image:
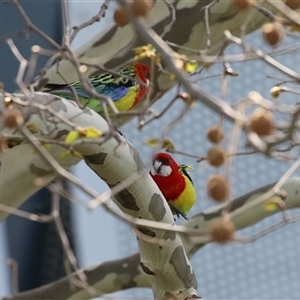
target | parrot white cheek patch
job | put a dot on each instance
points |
(165, 171)
(161, 170)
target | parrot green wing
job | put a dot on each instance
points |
(183, 170)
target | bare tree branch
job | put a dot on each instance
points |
(128, 271)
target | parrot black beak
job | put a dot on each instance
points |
(158, 166)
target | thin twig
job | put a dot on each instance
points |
(66, 22)
(22, 67)
(155, 116)
(96, 18)
(270, 193)
(54, 164)
(272, 62)
(31, 26)
(66, 244)
(286, 11)
(173, 17)
(269, 230)
(206, 9)
(211, 102)
(41, 218)
(267, 13)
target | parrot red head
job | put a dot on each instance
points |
(163, 165)
(142, 71)
(143, 74)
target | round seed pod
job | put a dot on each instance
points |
(243, 4)
(11, 118)
(215, 134)
(121, 17)
(222, 231)
(261, 122)
(273, 33)
(218, 188)
(216, 156)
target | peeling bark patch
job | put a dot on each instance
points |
(129, 284)
(121, 278)
(125, 198)
(157, 208)
(125, 276)
(147, 270)
(146, 231)
(58, 105)
(183, 25)
(210, 216)
(239, 202)
(178, 261)
(61, 133)
(39, 171)
(96, 159)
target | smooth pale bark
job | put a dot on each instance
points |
(112, 48)
(114, 45)
(116, 162)
(126, 273)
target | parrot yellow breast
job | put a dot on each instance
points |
(126, 102)
(187, 198)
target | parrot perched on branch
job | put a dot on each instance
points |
(174, 182)
(124, 92)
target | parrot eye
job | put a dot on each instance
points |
(166, 161)
(148, 75)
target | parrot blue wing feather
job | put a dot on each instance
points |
(106, 84)
(112, 90)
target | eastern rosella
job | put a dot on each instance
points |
(174, 182)
(124, 91)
